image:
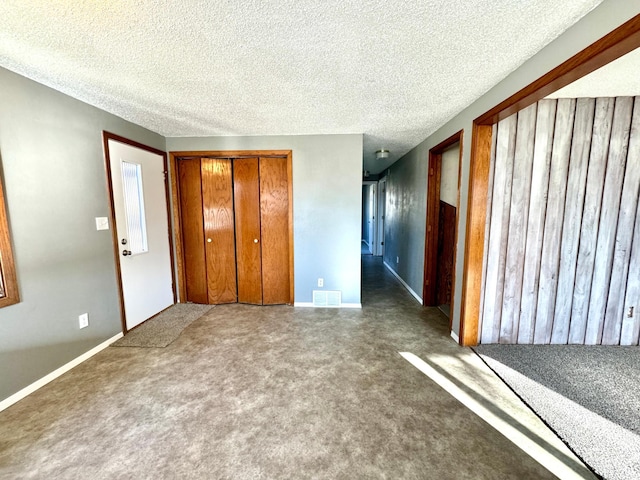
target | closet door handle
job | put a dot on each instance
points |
(209, 240)
(255, 240)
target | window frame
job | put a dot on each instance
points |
(7, 265)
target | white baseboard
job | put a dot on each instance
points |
(455, 336)
(342, 305)
(7, 402)
(395, 274)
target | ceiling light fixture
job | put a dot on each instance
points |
(382, 153)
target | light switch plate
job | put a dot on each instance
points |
(102, 223)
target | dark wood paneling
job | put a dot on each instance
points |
(446, 250)
(246, 186)
(190, 193)
(274, 210)
(217, 200)
(429, 293)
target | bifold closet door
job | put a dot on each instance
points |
(206, 208)
(190, 190)
(217, 201)
(274, 228)
(246, 186)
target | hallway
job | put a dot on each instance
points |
(275, 392)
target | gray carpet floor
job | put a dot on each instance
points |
(267, 392)
(590, 395)
(164, 328)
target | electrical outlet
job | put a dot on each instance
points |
(321, 282)
(83, 320)
(397, 259)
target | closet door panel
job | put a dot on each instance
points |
(246, 186)
(190, 190)
(217, 201)
(274, 211)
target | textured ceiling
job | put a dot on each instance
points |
(393, 70)
(620, 78)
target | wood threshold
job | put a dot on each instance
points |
(612, 46)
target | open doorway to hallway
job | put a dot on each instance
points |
(373, 213)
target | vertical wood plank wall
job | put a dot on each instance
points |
(563, 238)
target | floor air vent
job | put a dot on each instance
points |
(327, 298)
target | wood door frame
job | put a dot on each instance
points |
(106, 136)
(433, 216)
(612, 46)
(174, 157)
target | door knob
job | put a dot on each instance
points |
(255, 240)
(209, 240)
(126, 253)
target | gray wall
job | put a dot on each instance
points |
(54, 176)
(406, 229)
(327, 205)
(405, 221)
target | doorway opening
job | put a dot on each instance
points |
(443, 197)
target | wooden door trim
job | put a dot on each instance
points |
(174, 157)
(612, 46)
(431, 234)
(106, 136)
(232, 153)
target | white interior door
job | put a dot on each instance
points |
(139, 197)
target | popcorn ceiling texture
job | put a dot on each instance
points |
(393, 70)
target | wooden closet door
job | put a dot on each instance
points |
(246, 185)
(217, 201)
(274, 214)
(190, 191)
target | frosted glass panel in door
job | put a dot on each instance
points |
(134, 207)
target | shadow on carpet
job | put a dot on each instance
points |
(589, 395)
(164, 328)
